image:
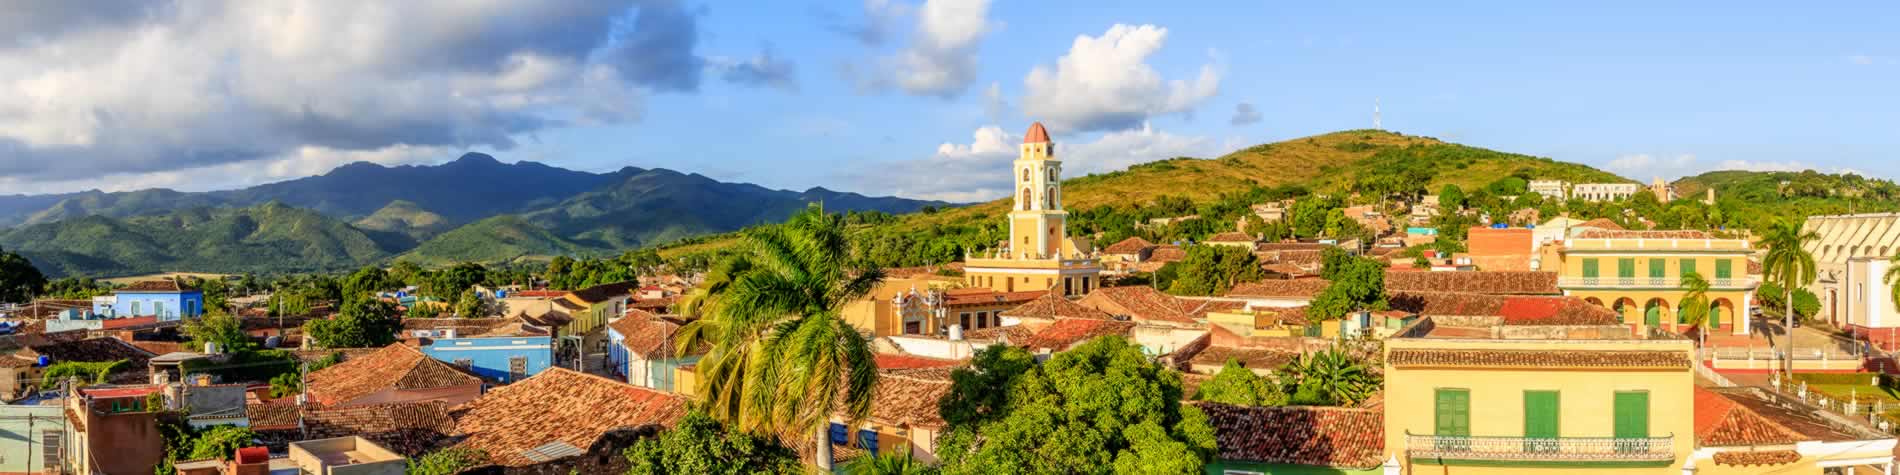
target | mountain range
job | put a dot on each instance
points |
(474, 208)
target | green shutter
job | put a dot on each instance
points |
(1540, 420)
(1626, 268)
(1632, 414)
(1454, 412)
(1590, 268)
(1688, 266)
(1656, 268)
(1724, 268)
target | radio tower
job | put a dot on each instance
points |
(1375, 115)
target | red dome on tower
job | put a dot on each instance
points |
(1036, 134)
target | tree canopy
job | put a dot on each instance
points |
(1358, 283)
(1102, 407)
(361, 323)
(1211, 270)
(1237, 385)
(19, 280)
(700, 444)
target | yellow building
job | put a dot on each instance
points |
(929, 305)
(1573, 392)
(1040, 255)
(1639, 275)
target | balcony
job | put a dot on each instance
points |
(1457, 450)
(1649, 283)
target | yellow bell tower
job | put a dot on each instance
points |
(1039, 256)
(1036, 222)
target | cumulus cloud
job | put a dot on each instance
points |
(940, 59)
(1646, 163)
(1244, 114)
(159, 87)
(979, 170)
(881, 18)
(1105, 83)
(761, 70)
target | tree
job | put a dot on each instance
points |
(221, 442)
(888, 463)
(1451, 198)
(1359, 284)
(1892, 278)
(220, 328)
(1099, 408)
(1789, 265)
(978, 396)
(700, 444)
(1210, 270)
(286, 384)
(1695, 300)
(88, 372)
(362, 323)
(783, 359)
(1237, 385)
(366, 282)
(1329, 378)
(19, 280)
(449, 461)
(470, 305)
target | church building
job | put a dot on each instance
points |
(1040, 255)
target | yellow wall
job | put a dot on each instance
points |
(1609, 286)
(876, 314)
(1497, 399)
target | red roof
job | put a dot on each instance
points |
(1302, 435)
(1036, 134)
(1069, 331)
(1720, 421)
(251, 455)
(896, 361)
(115, 323)
(538, 293)
(119, 392)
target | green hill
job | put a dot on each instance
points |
(503, 238)
(405, 218)
(1761, 197)
(264, 238)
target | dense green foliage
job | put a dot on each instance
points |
(1212, 270)
(1754, 200)
(1102, 407)
(360, 324)
(1237, 385)
(76, 288)
(1358, 283)
(450, 461)
(88, 372)
(889, 462)
(250, 366)
(182, 442)
(220, 328)
(1329, 378)
(700, 444)
(264, 238)
(19, 280)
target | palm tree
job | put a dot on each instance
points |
(887, 463)
(1789, 265)
(783, 359)
(1694, 309)
(1893, 278)
(1329, 377)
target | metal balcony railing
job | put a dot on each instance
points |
(1648, 283)
(1542, 449)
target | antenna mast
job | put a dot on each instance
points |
(1375, 114)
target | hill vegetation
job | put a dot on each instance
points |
(265, 238)
(1755, 199)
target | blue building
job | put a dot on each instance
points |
(166, 299)
(640, 346)
(498, 349)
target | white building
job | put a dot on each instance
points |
(1604, 191)
(1551, 189)
(1849, 259)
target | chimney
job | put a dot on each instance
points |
(251, 461)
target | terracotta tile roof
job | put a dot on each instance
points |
(987, 297)
(1207, 306)
(272, 416)
(1291, 246)
(1280, 288)
(558, 405)
(1766, 457)
(1515, 310)
(1231, 236)
(1302, 435)
(1141, 303)
(1601, 223)
(1675, 234)
(128, 322)
(408, 428)
(603, 292)
(158, 347)
(1036, 134)
(1800, 420)
(1538, 359)
(1719, 422)
(1508, 283)
(1012, 333)
(1130, 246)
(1064, 333)
(908, 401)
(897, 361)
(88, 350)
(1053, 305)
(649, 335)
(165, 285)
(1167, 253)
(396, 366)
(1251, 358)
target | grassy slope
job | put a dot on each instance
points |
(1321, 162)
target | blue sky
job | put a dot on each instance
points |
(895, 97)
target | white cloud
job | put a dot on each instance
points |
(979, 170)
(159, 87)
(301, 162)
(941, 57)
(1105, 83)
(1643, 163)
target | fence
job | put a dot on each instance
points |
(1805, 359)
(1874, 410)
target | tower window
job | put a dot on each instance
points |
(1025, 201)
(1050, 198)
(1052, 174)
(1025, 174)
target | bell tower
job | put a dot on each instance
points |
(1036, 222)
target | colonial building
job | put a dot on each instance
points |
(1849, 259)
(1040, 255)
(166, 299)
(1604, 191)
(1639, 274)
(1551, 189)
(1574, 392)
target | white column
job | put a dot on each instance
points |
(1747, 312)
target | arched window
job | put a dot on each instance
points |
(1052, 174)
(1025, 174)
(1025, 200)
(1050, 198)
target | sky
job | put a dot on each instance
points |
(921, 99)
